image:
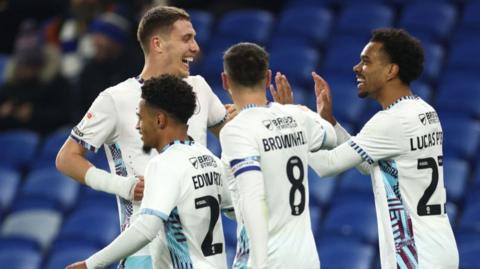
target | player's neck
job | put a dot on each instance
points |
(152, 69)
(243, 97)
(173, 134)
(392, 93)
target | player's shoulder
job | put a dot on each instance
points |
(124, 86)
(197, 82)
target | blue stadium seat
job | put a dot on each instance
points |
(202, 22)
(103, 219)
(212, 67)
(470, 218)
(459, 95)
(346, 255)
(432, 21)
(455, 174)
(354, 181)
(38, 225)
(469, 255)
(309, 26)
(49, 184)
(18, 148)
(434, 57)
(452, 213)
(9, 182)
(360, 19)
(230, 231)
(455, 132)
(213, 144)
(60, 258)
(321, 189)
(252, 25)
(315, 218)
(306, 3)
(341, 55)
(90, 198)
(460, 56)
(354, 218)
(470, 21)
(422, 90)
(50, 147)
(14, 242)
(298, 71)
(20, 259)
(347, 105)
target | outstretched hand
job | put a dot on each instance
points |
(283, 93)
(323, 98)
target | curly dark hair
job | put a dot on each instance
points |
(246, 63)
(171, 94)
(158, 19)
(403, 50)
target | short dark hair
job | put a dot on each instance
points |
(171, 94)
(246, 63)
(159, 18)
(403, 50)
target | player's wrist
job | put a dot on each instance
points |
(101, 180)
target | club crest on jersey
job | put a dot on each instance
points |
(423, 118)
(194, 162)
(268, 124)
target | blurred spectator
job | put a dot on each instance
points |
(70, 34)
(34, 96)
(115, 57)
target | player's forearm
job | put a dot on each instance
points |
(255, 215)
(71, 161)
(130, 241)
(342, 137)
(332, 162)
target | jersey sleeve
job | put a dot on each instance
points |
(217, 114)
(380, 138)
(240, 151)
(98, 124)
(162, 188)
(320, 132)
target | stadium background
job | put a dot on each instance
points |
(48, 220)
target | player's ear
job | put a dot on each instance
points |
(156, 44)
(225, 82)
(161, 120)
(393, 71)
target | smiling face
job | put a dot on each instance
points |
(180, 48)
(372, 72)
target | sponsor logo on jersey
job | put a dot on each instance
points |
(428, 117)
(203, 161)
(194, 162)
(280, 123)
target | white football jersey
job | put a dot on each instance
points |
(184, 187)
(404, 145)
(111, 121)
(276, 140)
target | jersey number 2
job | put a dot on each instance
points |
(208, 248)
(422, 208)
(297, 185)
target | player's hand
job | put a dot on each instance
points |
(324, 98)
(138, 189)
(283, 93)
(231, 111)
(77, 265)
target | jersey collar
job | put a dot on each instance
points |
(188, 142)
(406, 97)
